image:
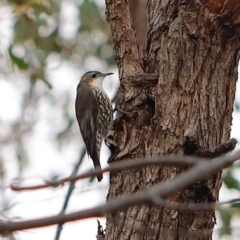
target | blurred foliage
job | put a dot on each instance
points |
(230, 181)
(43, 37)
(227, 214)
(39, 32)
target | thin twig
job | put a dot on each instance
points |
(163, 189)
(69, 192)
(191, 206)
(170, 160)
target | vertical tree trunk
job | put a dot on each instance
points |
(185, 82)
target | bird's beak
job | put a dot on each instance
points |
(106, 74)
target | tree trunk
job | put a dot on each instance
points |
(183, 81)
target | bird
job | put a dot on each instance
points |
(94, 114)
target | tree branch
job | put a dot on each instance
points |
(70, 190)
(191, 206)
(162, 190)
(191, 147)
(171, 160)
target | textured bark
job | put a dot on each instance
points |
(193, 48)
(125, 43)
(138, 13)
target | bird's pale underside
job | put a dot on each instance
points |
(94, 114)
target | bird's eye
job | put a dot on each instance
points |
(94, 75)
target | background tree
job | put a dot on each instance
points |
(193, 49)
(45, 46)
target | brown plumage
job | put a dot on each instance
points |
(94, 114)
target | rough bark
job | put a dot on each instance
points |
(193, 50)
(138, 14)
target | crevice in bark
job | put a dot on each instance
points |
(125, 43)
(138, 14)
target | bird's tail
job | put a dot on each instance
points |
(97, 165)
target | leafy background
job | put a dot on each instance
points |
(45, 46)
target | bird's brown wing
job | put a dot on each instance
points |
(86, 113)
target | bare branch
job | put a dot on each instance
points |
(70, 190)
(121, 203)
(171, 160)
(191, 206)
(191, 147)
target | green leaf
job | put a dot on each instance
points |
(25, 28)
(21, 64)
(231, 181)
(91, 179)
(39, 8)
(226, 216)
(236, 205)
(237, 106)
(90, 17)
(237, 164)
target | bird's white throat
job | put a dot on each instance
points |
(98, 82)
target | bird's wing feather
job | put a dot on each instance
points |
(86, 112)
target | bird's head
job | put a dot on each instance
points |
(94, 78)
